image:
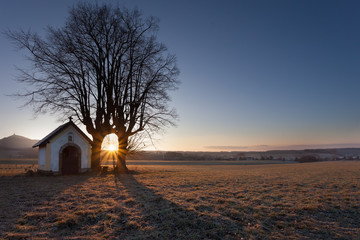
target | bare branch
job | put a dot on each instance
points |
(106, 67)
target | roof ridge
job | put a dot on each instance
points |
(58, 130)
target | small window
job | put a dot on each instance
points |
(70, 138)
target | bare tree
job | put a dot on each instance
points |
(106, 68)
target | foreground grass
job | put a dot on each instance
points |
(292, 201)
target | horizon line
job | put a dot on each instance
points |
(252, 148)
(293, 147)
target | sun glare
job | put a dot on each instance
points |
(111, 147)
(110, 143)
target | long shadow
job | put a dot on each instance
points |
(21, 195)
(65, 207)
(159, 218)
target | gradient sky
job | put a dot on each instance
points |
(255, 74)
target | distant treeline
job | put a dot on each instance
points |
(190, 156)
(159, 155)
(308, 155)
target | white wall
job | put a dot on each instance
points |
(42, 155)
(61, 141)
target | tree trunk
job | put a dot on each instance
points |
(121, 155)
(121, 162)
(95, 155)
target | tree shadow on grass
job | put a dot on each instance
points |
(96, 207)
(154, 217)
(27, 202)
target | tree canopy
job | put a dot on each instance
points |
(106, 68)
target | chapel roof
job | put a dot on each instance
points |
(58, 130)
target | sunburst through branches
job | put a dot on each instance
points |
(109, 149)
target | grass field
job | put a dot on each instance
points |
(273, 201)
(9, 167)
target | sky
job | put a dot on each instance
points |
(255, 75)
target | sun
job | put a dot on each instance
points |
(110, 143)
(111, 147)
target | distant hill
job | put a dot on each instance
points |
(16, 141)
(16, 146)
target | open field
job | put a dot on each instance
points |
(17, 166)
(14, 169)
(20, 161)
(280, 201)
(9, 167)
(202, 162)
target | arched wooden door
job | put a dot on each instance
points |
(70, 162)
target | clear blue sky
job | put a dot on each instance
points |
(255, 74)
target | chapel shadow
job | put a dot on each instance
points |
(163, 219)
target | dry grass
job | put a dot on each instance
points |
(291, 201)
(13, 169)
